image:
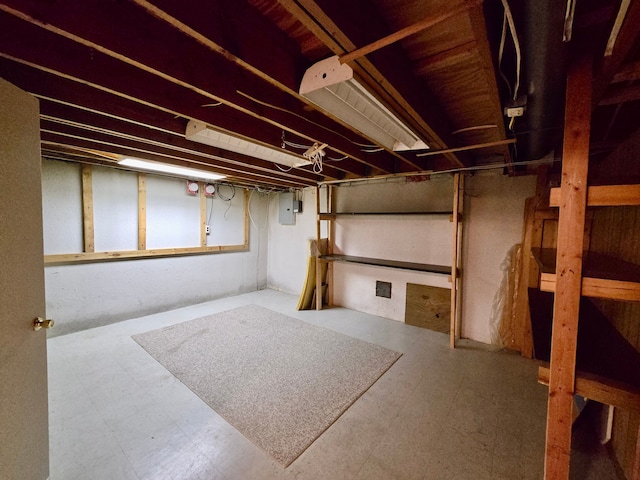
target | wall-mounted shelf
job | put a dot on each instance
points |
(454, 216)
(603, 276)
(376, 262)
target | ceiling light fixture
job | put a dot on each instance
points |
(200, 132)
(169, 169)
(331, 85)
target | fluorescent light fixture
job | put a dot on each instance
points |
(332, 86)
(169, 169)
(200, 132)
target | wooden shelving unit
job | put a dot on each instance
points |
(453, 270)
(572, 275)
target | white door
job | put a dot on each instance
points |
(24, 432)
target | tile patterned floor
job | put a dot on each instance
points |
(437, 414)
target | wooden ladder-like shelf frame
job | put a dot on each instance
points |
(565, 277)
(453, 270)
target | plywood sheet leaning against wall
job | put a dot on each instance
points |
(428, 307)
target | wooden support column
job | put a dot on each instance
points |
(142, 211)
(87, 208)
(454, 332)
(203, 215)
(573, 201)
(331, 238)
(318, 265)
(247, 218)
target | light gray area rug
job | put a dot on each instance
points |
(280, 381)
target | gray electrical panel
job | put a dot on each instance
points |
(286, 215)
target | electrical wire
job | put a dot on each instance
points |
(508, 18)
(226, 199)
(503, 37)
(477, 127)
(210, 211)
(283, 169)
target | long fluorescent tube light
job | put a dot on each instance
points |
(332, 86)
(170, 169)
(200, 132)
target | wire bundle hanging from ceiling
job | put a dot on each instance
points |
(507, 21)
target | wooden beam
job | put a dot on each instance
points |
(142, 211)
(87, 209)
(476, 146)
(447, 58)
(247, 227)
(610, 65)
(92, 257)
(118, 47)
(331, 240)
(455, 249)
(385, 72)
(139, 148)
(598, 287)
(318, 253)
(575, 161)
(604, 196)
(167, 133)
(476, 17)
(407, 31)
(203, 215)
(601, 390)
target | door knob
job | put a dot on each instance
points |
(39, 323)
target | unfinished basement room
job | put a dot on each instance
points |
(320, 240)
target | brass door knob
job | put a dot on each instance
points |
(39, 323)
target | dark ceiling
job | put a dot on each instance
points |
(122, 78)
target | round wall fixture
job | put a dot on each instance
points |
(192, 187)
(209, 189)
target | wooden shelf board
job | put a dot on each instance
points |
(601, 389)
(598, 288)
(604, 196)
(603, 276)
(419, 267)
(332, 216)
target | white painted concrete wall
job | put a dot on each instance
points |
(422, 239)
(82, 296)
(289, 244)
(494, 211)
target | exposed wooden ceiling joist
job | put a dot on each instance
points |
(191, 66)
(385, 71)
(226, 162)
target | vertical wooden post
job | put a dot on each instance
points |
(203, 215)
(318, 266)
(573, 201)
(87, 208)
(331, 238)
(247, 196)
(142, 211)
(454, 262)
